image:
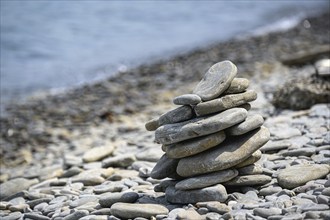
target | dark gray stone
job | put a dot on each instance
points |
(206, 180)
(187, 99)
(212, 193)
(108, 199)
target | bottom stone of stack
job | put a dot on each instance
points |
(213, 193)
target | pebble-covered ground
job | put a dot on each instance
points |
(85, 154)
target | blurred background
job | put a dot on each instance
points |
(54, 45)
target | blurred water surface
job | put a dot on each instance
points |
(50, 45)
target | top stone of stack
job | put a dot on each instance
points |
(217, 79)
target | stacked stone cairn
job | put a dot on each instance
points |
(210, 142)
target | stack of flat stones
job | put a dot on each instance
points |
(210, 141)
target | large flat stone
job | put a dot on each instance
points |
(172, 133)
(225, 102)
(250, 123)
(15, 185)
(226, 155)
(131, 211)
(213, 193)
(193, 146)
(98, 153)
(298, 175)
(206, 180)
(249, 180)
(217, 79)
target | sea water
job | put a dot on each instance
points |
(51, 45)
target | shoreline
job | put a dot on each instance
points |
(281, 25)
(137, 89)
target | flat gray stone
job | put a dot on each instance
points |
(176, 115)
(250, 123)
(215, 206)
(212, 193)
(193, 146)
(123, 160)
(187, 99)
(252, 169)
(238, 85)
(110, 198)
(15, 185)
(165, 167)
(217, 79)
(249, 180)
(284, 132)
(275, 145)
(206, 180)
(304, 151)
(298, 175)
(98, 153)
(267, 212)
(250, 160)
(131, 211)
(172, 133)
(226, 155)
(225, 102)
(152, 125)
(76, 215)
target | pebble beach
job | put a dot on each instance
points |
(86, 153)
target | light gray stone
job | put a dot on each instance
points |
(165, 167)
(250, 123)
(212, 193)
(15, 185)
(249, 180)
(323, 67)
(284, 132)
(217, 79)
(187, 99)
(150, 154)
(304, 151)
(228, 154)
(123, 160)
(225, 102)
(110, 198)
(206, 180)
(193, 146)
(172, 133)
(298, 175)
(250, 160)
(238, 85)
(252, 169)
(275, 145)
(215, 206)
(131, 211)
(98, 153)
(267, 212)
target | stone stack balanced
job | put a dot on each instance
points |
(210, 141)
